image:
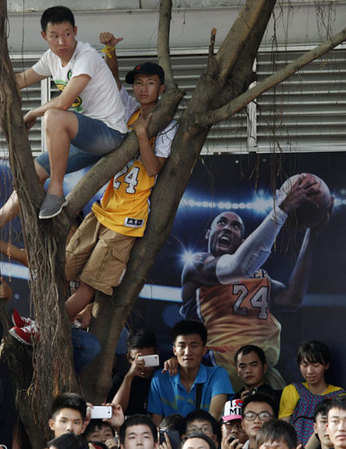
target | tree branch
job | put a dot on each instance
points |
(105, 168)
(223, 113)
(163, 41)
(237, 37)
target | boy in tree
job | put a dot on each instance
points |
(98, 251)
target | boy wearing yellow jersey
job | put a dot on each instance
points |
(99, 250)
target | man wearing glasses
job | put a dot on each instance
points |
(257, 409)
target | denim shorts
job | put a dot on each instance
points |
(93, 140)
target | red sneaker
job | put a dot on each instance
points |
(20, 321)
(25, 334)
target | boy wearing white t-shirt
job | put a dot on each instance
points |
(85, 122)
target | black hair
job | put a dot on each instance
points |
(277, 430)
(95, 424)
(258, 397)
(136, 420)
(322, 408)
(174, 422)
(203, 415)
(245, 350)
(314, 352)
(57, 14)
(141, 339)
(200, 435)
(69, 400)
(69, 441)
(189, 327)
(339, 402)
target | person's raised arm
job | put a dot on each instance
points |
(110, 42)
(151, 162)
(256, 248)
(122, 396)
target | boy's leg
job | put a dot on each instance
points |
(107, 263)
(89, 135)
(11, 208)
(78, 300)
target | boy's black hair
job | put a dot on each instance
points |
(188, 327)
(57, 14)
(245, 350)
(95, 424)
(136, 420)
(141, 339)
(69, 441)
(258, 397)
(314, 352)
(174, 422)
(200, 435)
(277, 430)
(69, 400)
(203, 415)
(322, 408)
(339, 402)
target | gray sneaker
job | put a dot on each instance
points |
(52, 206)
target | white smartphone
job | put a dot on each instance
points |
(150, 360)
(101, 412)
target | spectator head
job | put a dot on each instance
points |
(257, 409)
(202, 421)
(68, 414)
(231, 427)
(99, 431)
(148, 69)
(197, 440)
(321, 422)
(68, 441)
(173, 422)
(142, 343)
(189, 340)
(277, 434)
(251, 364)
(56, 15)
(313, 359)
(138, 428)
(337, 422)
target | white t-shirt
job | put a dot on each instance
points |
(164, 138)
(100, 98)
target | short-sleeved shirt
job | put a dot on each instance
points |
(100, 99)
(290, 398)
(168, 396)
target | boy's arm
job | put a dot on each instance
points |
(27, 78)
(64, 101)
(151, 162)
(110, 42)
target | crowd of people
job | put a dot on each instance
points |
(187, 403)
(197, 408)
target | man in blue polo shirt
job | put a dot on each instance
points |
(195, 385)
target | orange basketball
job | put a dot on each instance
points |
(313, 211)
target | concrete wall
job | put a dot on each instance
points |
(136, 20)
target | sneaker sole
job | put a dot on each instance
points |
(46, 217)
(17, 337)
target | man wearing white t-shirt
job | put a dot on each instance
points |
(93, 127)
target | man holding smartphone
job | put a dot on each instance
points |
(131, 390)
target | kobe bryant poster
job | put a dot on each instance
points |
(274, 285)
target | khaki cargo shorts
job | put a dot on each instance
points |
(97, 256)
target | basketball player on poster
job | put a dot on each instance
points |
(227, 289)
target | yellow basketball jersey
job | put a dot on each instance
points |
(124, 206)
(238, 314)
